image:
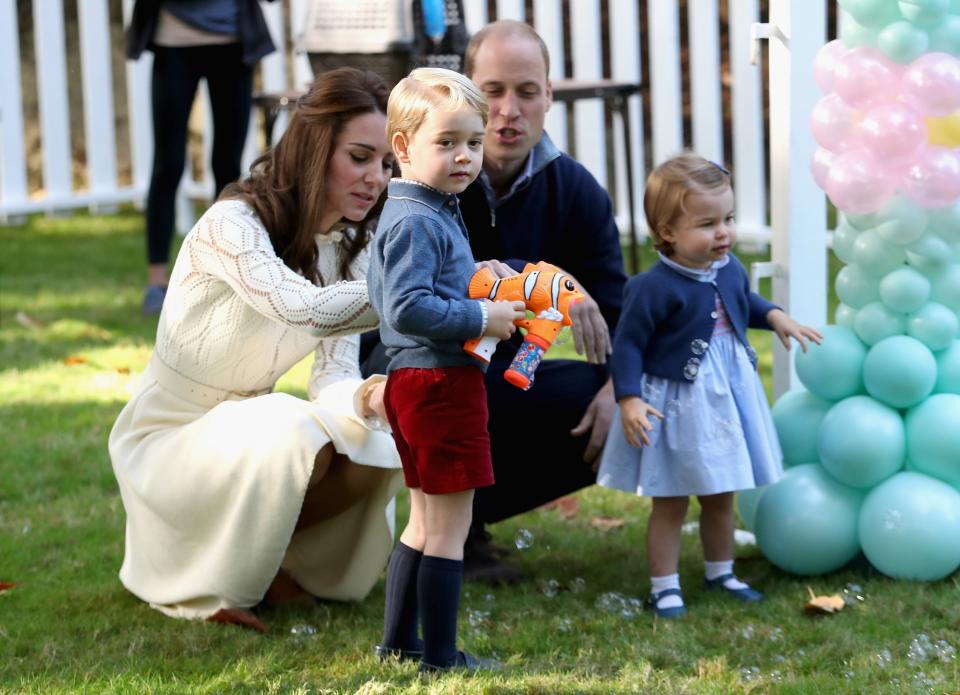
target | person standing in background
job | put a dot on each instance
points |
(221, 41)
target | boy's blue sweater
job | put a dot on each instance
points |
(668, 318)
(418, 279)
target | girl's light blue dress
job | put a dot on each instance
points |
(717, 434)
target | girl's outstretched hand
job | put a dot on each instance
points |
(785, 328)
(636, 423)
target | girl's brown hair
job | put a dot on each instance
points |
(287, 185)
(668, 187)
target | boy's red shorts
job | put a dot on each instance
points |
(439, 422)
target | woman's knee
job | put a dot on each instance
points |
(321, 464)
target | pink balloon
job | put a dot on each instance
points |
(820, 166)
(857, 184)
(893, 133)
(933, 180)
(824, 63)
(931, 84)
(864, 77)
(833, 123)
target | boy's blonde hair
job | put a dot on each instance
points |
(668, 187)
(425, 89)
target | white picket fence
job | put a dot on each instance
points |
(797, 207)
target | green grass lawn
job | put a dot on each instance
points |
(72, 344)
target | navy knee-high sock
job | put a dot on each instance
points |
(400, 612)
(438, 593)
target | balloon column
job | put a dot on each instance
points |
(872, 443)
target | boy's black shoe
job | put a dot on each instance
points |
(388, 653)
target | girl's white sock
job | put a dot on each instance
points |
(712, 570)
(670, 581)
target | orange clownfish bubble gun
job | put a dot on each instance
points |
(546, 291)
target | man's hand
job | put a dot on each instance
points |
(590, 332)
(635, 414)
(501, 270)
(597, 421)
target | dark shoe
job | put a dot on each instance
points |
(465, 662)
(744, 594)
(673, 611)
(389, 653)
(153, 300)
(484, 567)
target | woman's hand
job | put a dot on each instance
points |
(785, 328)
(373, 401)
(498, 268)
(636, 423)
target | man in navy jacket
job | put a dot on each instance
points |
(534, 203)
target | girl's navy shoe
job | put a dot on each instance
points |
(673, 611)
(745, 594)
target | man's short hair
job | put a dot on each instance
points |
(426, 89)
(500, 29)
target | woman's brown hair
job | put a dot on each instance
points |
(287, 185)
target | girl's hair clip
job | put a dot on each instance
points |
(719, 167)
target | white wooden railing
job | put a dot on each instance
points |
(786, 194)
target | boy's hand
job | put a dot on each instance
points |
(785, 327)
(501, 315)
(636, 423)
(373, 401)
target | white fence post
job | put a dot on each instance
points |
(98, 113)
(590, 135)
(548, 22)
(13, 163)
(139, 113)
(706, 108)
(53, 98)
(663, 21)
(798, 207)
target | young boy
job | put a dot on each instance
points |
(435, 399)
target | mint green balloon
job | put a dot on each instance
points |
(855, 35)
(903, 42)
(861, 222)
(872, 13)
(843, 240)
(933, 437)
(945, 287)
(845, 315)
(876, 321)
(834, 369)
(856, 286)
(904, 290)
(945, 222)
(945, 38)
(875, 255)
(747, 501)
(901, 221)
(948, 369)
(797, 416)
(909, 527)
(900, 371)
(934, 325)
(927, 265)
(862, 441)
(924, 13)
(807, 522)
(931, 246)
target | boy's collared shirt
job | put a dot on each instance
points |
(420, 271)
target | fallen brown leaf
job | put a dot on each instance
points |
(123, 370)
(820, 605)
(567, 507)
(27, 321)
(75, 359)
(607, 522)
(6, 586)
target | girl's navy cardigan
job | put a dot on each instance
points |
(668, 319)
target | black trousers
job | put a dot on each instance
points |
(535, 459)
(176, 74)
